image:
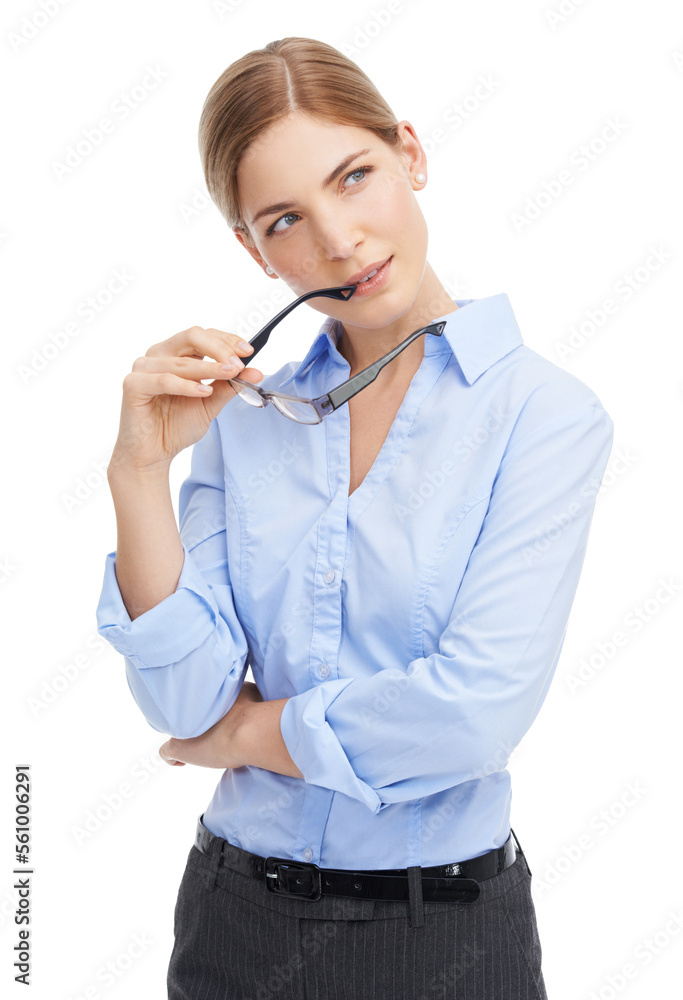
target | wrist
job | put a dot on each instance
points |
(243, 736)
(258, 739)
(121, 472)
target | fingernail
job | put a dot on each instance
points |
(233, 362)
(244, 346)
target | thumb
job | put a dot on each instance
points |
(223, 391)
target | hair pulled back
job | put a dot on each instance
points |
(264, 86)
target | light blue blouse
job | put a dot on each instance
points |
(414, 626)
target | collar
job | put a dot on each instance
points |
(479, 333)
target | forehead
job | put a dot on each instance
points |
(296, 152)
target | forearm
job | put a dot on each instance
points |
(149, 552)
(260, 741)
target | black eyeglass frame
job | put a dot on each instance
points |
(341, 394)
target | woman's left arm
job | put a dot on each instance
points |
(249, 734)
(457, 714)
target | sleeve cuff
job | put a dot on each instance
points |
(315, 749)
(153, 639)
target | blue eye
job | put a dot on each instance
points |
(292, 215)
(274, 229)
(358, 170)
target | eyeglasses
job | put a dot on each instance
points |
(312, 411)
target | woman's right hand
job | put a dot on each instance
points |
(164, 409)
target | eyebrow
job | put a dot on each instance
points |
(282, 206)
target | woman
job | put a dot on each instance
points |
(397, 568)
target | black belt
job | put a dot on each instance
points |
(457, 882)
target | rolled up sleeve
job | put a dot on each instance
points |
(457, 714)
(185, 658)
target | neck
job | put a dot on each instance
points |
(361, 347)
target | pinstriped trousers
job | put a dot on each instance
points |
(235, 940)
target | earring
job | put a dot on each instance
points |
(420, 178)
(269, 269)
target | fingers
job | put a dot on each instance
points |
(166, 753)
(181, 376)
(145, 385)
(189, 367)
(177, 366)
(199, 343)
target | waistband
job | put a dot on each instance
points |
(457, 881)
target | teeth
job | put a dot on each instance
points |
(367, 278)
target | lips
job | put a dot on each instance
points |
(366, 272)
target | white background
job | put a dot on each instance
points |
(558, 73)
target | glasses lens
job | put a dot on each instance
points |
(299, 410)
(248, 394)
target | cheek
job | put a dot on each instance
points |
(397, 207)
(297, 265)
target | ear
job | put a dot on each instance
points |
(412, 153)
(248, 245)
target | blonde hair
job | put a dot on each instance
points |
(266, 85)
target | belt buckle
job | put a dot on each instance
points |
(283, 877)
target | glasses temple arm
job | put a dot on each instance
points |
(342, 393)
(261, 338)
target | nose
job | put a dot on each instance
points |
(339, 235)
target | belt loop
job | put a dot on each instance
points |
(214, 856)
(416, 903)
(217, 860)
(519, 848)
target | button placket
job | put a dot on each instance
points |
(330, 552)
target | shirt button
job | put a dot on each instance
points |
(324, 670)
(308, 854)
(329, 576)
